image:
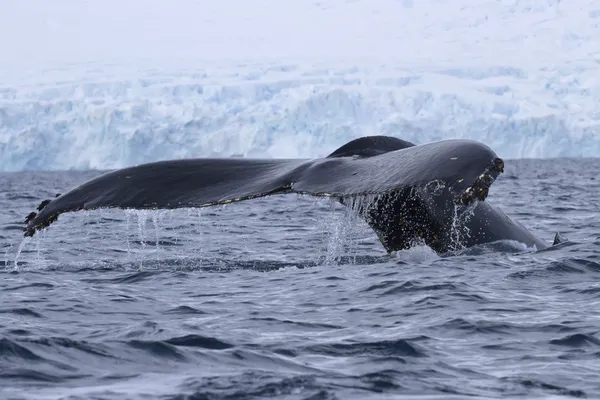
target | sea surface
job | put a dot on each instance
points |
(291, 297)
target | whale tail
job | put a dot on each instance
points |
(418, 187)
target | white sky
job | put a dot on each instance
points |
(521, 31)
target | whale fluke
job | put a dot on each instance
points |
(388, 167)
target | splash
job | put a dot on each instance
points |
(418, 253)
(6, 255)
(142, 216)
(128, 214)
(332, 227)
(19, 251)
(347, 229)
(459, 232)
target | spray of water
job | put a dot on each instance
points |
(418, 252)
(459, 231)
(127, 225)
(336, 237)
(6, 253)
(345, 229)
(19, 250)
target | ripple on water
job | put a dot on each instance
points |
(279, 298)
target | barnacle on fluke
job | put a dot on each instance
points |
(28, 218)
(399, 173)
(479, 190)
(43, 204)
(33, 214)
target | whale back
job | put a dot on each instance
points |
(370, 146)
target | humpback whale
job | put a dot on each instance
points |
(433, 193)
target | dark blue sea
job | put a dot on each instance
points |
(293, 298)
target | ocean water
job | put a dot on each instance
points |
(292, 298)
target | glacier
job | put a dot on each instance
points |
(521, 76)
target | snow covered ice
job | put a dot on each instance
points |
(111, 84)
